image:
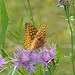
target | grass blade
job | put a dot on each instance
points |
(4, 22)
(26, 10)
(23, 46)
(16, 36)
(58, 52)
(23, 70)
(41, 70)
(48, 72)
(52, 68)
(3, 69)
(20, 24)
(12, 70)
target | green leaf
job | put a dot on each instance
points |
(58, 52)
(70, 54)
(23, 69)
(3, 69)
(16, 36)
(0, 45)
(33, 73)
(23, 46)
(20, 24)
(12, 70)
(26, 7)
(47, 72)
(38, 26)
(59, 5)
(67, 56)
(41, 70)
(26, 10)
(4, 22)
(0, 41)
(4, 53)
(74, 28)
(63, 17)
(52, 68)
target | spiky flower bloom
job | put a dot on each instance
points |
(25, 59)
(2, 61)
(64, 2)
(29, 58)
(46, 55)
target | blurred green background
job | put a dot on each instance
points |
(43, 11)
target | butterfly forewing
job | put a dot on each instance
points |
(42, 31)
(30, 32)
(27, 41)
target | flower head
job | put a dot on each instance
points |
(64, 2)
(28, 58)
(2, 61)
(46, 55)
(24, 58)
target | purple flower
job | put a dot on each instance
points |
(64, 2)
(46, 55)
(2, 61)
(28, 58)
(25, 58)
(61, 1)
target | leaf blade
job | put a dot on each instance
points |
(12, 71)
(20, 24)
(26, 10)
(58, 51)
(4, 22)
(3, 69)
(16, 36)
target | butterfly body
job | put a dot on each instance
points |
(37, 42)
(34, 38)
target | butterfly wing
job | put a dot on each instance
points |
(40, 38)
(42, 32)
(30, 32)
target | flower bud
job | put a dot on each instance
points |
(64, 2)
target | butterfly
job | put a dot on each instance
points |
(34, 38)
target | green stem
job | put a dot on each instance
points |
(49, 71)
(72, 51)
(73, 9)
(31, 13)
(71, 30)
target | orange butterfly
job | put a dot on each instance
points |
(34, 38)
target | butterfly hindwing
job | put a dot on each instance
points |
(27, 41)
(30, 32)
